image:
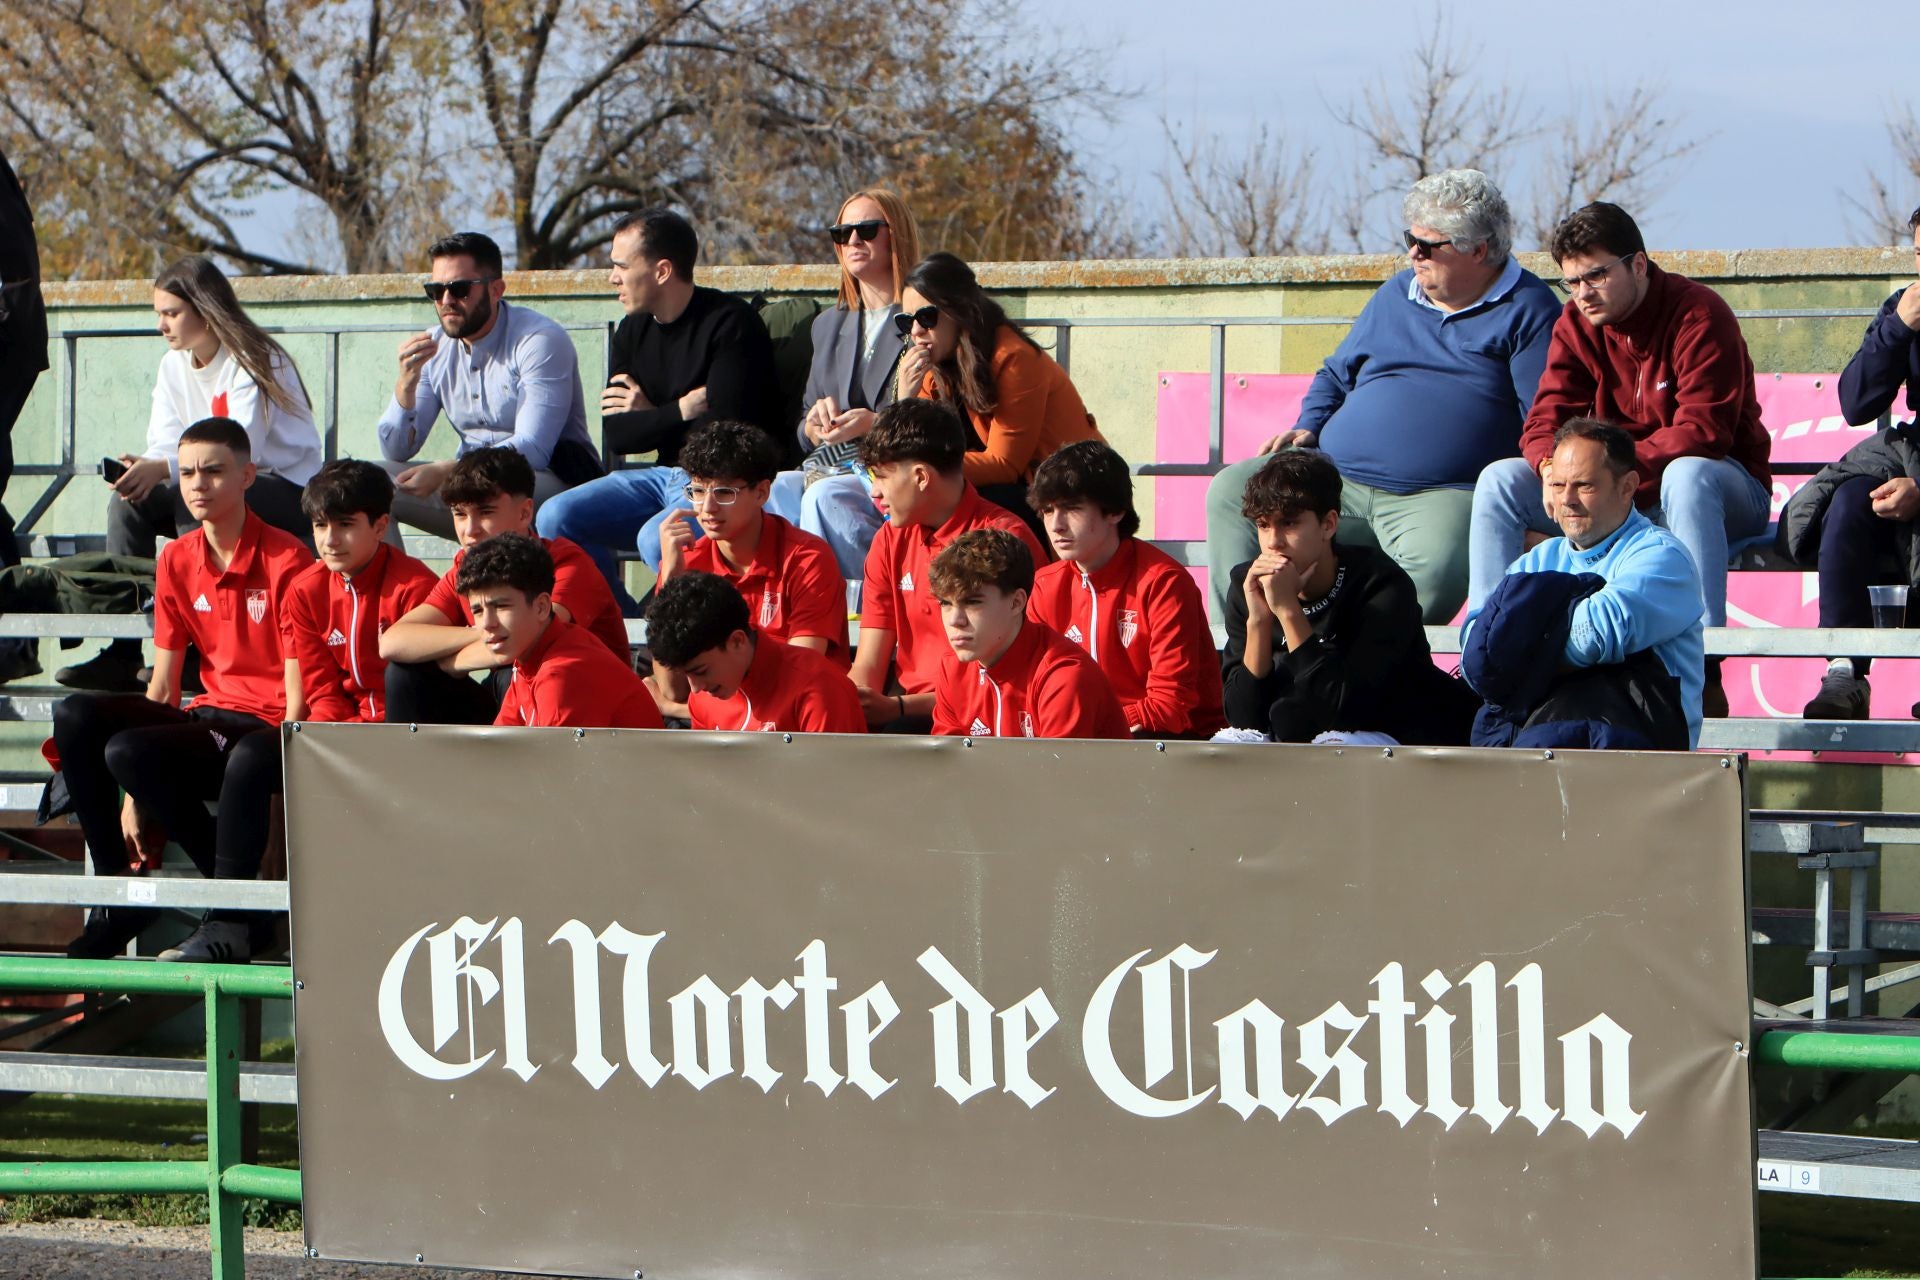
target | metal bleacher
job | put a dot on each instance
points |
(1839, 933)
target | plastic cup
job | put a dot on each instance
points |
(1889, 605)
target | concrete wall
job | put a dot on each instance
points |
(1114, 368)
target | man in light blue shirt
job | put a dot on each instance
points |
(1652, 599)
(502, 376)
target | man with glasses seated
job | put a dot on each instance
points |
(503, 375)
(684, 354)
(788, 577)
(1663, 357)
(1428, 387)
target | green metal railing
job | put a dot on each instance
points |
(221, 1177)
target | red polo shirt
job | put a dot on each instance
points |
(1043, 686)
(787, 689)
(232, 616)
(897, 598)
(578, 587)
(568, 678)
(1140, 617)
(792, 586)
(334, 624)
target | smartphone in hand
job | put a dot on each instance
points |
(111, 469)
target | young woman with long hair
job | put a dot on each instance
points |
(964, 350)
(219, 364)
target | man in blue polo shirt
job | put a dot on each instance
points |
(1429, 386)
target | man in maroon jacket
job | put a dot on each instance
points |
(1663, 357)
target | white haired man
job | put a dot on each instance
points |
(1430, 385)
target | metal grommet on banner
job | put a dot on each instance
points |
(785, 737)
(1726, 762)
(966, 742)
(313, 1253)
(1739, 1049)
(413, 728)
(1159, 746)
(1546, 755)
(296, 726)
(1386, 753)
(579, 734)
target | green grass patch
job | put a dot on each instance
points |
(70, 1127)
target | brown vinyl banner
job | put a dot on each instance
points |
(677, 1005)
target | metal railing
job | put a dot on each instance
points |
(221, 1177)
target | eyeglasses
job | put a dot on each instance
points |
(1593, 278)
(926, 317)
(1424, 248)
(724, 495)
(868, 231)
(438, 289)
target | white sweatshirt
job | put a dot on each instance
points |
(287, 444)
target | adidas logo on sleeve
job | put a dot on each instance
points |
(201, 605)
(980, 729)
(906, 580)
(337, 637)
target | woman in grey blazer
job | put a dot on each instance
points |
(856, 351)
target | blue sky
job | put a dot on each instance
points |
(1790, 101)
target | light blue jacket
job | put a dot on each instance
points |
(1652, 601)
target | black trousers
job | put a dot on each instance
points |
(1853, 541)
(172, 762)
(14, 390)
(421, 693)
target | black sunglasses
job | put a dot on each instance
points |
(1425, 248)
(926, 317)
(845, 231)
(438, 289)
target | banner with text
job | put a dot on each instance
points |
(684, 1005)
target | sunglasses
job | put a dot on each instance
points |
(438, 289)
(1425, 248)
(926, 317)
(868, 231)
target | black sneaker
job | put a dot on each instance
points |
(109, 671)
(19, 658)
(1843, 696)
(108, 931)
(214, 942)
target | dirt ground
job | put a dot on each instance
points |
(89, 1249)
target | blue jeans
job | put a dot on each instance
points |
(1706, 503)
(840, 509)
(620, 510)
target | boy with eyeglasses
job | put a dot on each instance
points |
(1663, 357)
(684, 354)
(503, 375)
(433, 651)
(913, 459)
(787, 576)
(562, 675)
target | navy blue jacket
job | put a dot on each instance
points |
(1513, 659)
(1888, 359)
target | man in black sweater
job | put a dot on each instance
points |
(23, 354)
(1324, 638)
(683, 356)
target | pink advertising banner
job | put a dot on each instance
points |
(1801, 412)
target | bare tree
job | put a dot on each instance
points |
(156, 125)
(1436, 115)
(1878, 214)
(1261, 203)
(1620, 150)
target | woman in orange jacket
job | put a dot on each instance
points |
(964, 350)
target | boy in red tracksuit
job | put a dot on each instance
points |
(432, 650)
(1006, 677)
(788, 577)
(562, 674)
(743, 680)
(337, 609)
(1131, 606)
(219, 588)
(913, 459)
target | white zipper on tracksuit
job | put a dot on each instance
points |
(1093, 618)
(999, 703)
(353, 636)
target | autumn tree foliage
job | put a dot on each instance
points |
(146, 129)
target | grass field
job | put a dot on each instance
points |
(1799, 1235)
